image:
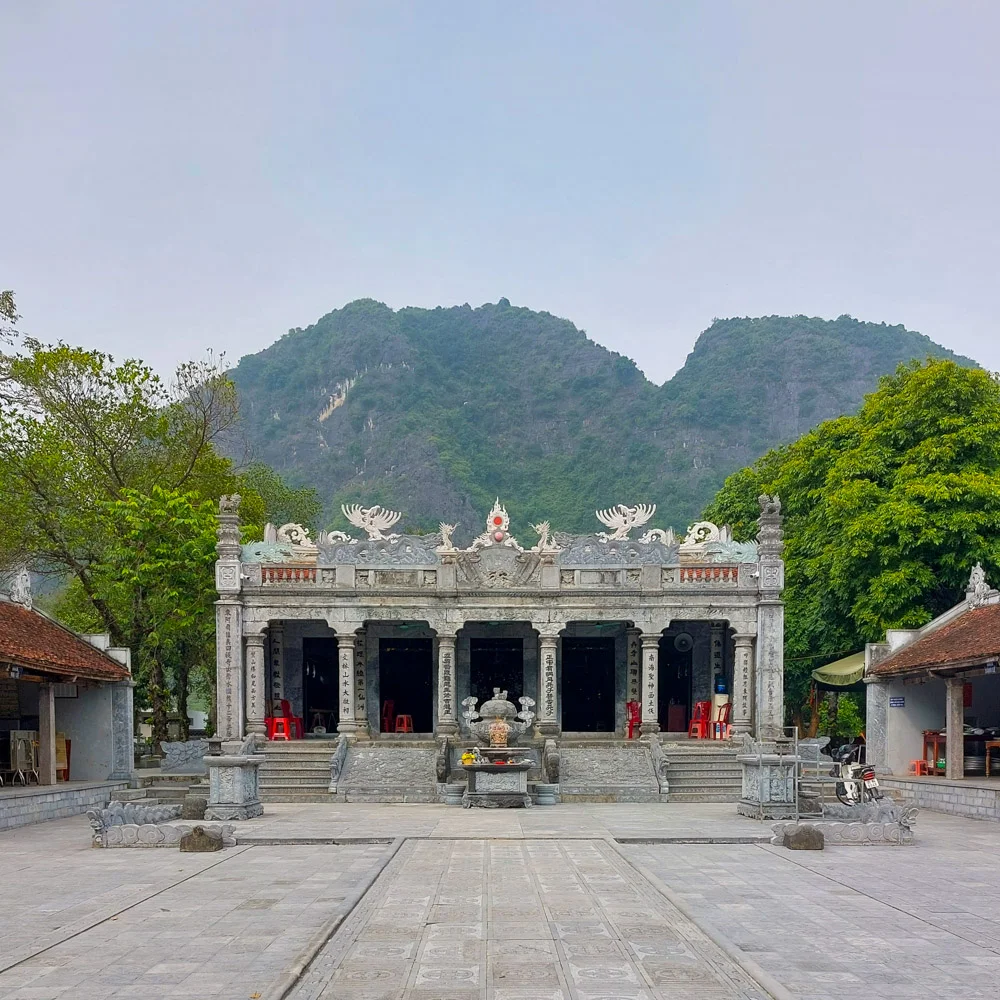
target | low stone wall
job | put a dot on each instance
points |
(159, 834)
(959, 798)
(34, 804)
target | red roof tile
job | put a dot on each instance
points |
(31, 640)
(974, 636)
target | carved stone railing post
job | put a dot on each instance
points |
(255, 685)
(447, 722)
(743, 685)
(650, 683)
(547, 722)
(345, 648)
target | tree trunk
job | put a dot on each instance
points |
(182, 674)
(159, 699)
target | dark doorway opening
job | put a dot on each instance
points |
(496, 663)
(588, 685)
(674, 695)
(320, 675)
(405, 677)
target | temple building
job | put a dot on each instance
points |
(385, 632)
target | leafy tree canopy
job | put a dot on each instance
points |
(886, 511)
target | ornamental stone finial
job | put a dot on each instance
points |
(20, 587)
(228, 531)
(769, 538)
(979, 592)
(229, 504)
(622, 519)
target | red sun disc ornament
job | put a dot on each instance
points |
(498, 521)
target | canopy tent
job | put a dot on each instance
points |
(842, 673)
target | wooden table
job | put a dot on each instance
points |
(934, 739)
(990, 745)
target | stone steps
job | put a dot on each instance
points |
(701, 771)
(296, 771)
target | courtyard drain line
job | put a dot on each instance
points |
(62, 935)
(881, 902)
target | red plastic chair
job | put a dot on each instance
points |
(295, 721)
(388, 715)
(701, 720)
(720, 727)
(632, 717)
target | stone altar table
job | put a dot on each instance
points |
(233, 784)
(493, 785)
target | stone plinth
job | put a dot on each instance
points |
(497, 786)
(233, 787)
(768, 785)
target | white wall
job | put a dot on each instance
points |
(86, 720)
(924, 709)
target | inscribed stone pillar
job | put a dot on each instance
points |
(348, 719)
(633, 661)
(954, 750)
(255, 681)
(46, 734)
(229, 670)
(276, 659)
(650, 683)
(122, 743)
(447, 722)
(547, 720)
(877, 725)
(717, 655)
(361, 682)
(769, 710)
(743, 685)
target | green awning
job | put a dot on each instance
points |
(842, 673)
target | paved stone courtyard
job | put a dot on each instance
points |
(575, 901)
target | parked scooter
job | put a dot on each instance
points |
(857, 781)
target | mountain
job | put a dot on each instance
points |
(436, 412)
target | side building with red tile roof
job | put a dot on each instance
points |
(933, 693)
(65, 702)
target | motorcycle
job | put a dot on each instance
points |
(857, 781)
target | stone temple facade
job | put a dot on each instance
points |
(354, 632)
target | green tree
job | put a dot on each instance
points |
(8, 316)
(885, 511)
(265, 496)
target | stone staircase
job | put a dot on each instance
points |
(702, 771)
(296, 771)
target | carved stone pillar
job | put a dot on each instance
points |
(229, 670)
(633, 664)
(348, 719)
(46, 734)
(361, 683)
(769, 717)
(276, 659)
(743, 685)
(547, 721)
(954, 750)
(650, 683)
(447, 722)
(877, 726)
(122, 723)
(255, 685)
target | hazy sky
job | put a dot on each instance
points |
(183, 175)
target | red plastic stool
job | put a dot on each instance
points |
(404, 724)
(919, 767)
(279, 728)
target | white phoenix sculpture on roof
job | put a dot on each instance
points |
(622, 519)
(372, 520)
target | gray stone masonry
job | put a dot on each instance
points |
(23, 806)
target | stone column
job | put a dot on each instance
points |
(122, 743)
(877, 725)
(447, 722)
(276, 659)
(743, 685)
(229, 670)
(633, 661)
(361, 683)
(255, 685)
(547, 721)
(717, 655)
(955, 729)
(769, 710)
(650, 683)
(46, 734)
(348, 720)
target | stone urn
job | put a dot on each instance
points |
(497, 723)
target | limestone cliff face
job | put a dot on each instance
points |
(437, 411)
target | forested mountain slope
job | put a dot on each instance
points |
(437, 411)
